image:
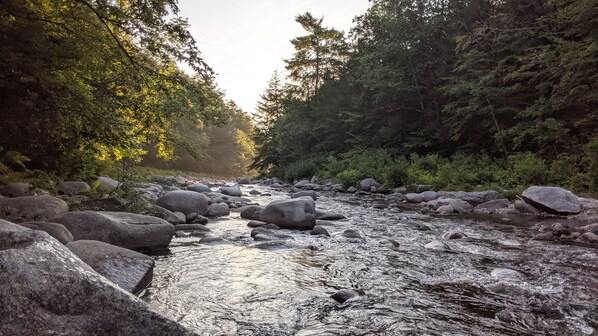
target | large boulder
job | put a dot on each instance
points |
(252, 212)
(130, 270)
(368, 183)
(184, 201)
(218, 209)
(414, 198)
(58, 231)
(233, 190)
(31, 208)
(295, 213)
(47, 290)
(553, 200)
(199, 187)
(16, 189)
(128, 230)
(73, 187)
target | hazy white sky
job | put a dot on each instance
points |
(244, 41)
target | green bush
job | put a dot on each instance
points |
(525, 169)
(349, 177)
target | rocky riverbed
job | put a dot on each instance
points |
(265, 258)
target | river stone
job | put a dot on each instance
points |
(276, 186)
(255, 192)
(324, 215)
(589, 228)
(106, 184)
(31, 208)
(168, 180)
(16, 189)
(218, 209)
(344, 295)
(318, 230)
(58, 231)
(73, 187)
(165, 214)
(396, 197)
(295, 213)
(128, 230)
(446, 209)
(437, 245)
(305, 193)
(352, 234)
(47, 290)
(130, 270)
(414, 198)
(553, 200)
(493, 205)
(184, 201)
(453, 234)
(429, 195)
(199, 187)
(181, 218)
(191, 227)
(199, 219)
(256, 223)
(368, 183)
(301, 184)
(233, 190)
(252, 212)
(474, 197)
(525, 208)
(211, 240)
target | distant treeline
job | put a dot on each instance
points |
(422, 86)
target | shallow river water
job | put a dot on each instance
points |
(238, 289)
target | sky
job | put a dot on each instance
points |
(245, 41)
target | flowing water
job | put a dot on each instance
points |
(239, 289)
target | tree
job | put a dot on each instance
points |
(318, 56)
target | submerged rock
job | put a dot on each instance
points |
(344, 295)
(46, 290)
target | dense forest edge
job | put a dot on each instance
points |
(456, 94)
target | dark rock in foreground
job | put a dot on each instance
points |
(130, 270)
(46, 290)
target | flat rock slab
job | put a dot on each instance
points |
(130, 270)
(31, 208)
(47, 290)
(553, 200)
(128, 230)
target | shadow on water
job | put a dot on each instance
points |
(237, 289)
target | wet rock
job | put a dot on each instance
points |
(338, 188)
(73, 187)
(344, 295)
(106, 184)
(429, 195)
(233, 190)
(352, 234)
(296, 213)
(130, 270)
(128, 230)
(461, 206)
(493, 205)
(184, 201)
(318, 230)
(244, 180)
(553, 200)
(446, 209)
(46, 290)
(57, 231)
(506, 274)
(254, 192)
(396, 197)
(437, 245)
(351, 190)
(324, 215)
(165, 214)
(422, 227)
(322, 222)
(589, 228)
(368, 183)
(271, 237)
(256, 223)
(191, 227)
(261, 230)
(395, 243)
(301, 184)
(589, 237)
(16, 189)
(31, 208)
(544, 236)
(414, 198)
(199, 187)
(218, 209)
(252, 212)
(181, 218)
(199, 219)
(525, 208)
(272, 226)
(275, 244)
(214, 241)
(453, 235)
(304, 193)
(276, 186)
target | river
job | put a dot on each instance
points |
(239, 289)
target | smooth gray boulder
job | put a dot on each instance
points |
(304, 193)
(130, 270)
(320, 231)
(429, 195)
(199, 187)
(16, 189)
(300, 184)
(73, 187)
(368, 183)
(47, 290)
(414, 198)
(295, 213)
(252, 212)
(165, 214)
(128, 230)
(106, 184)
(184, 201)
(553, 200)
(58, 231)
(233, 190)
(31, 208)
(218, 209)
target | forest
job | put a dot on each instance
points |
(458, 94)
